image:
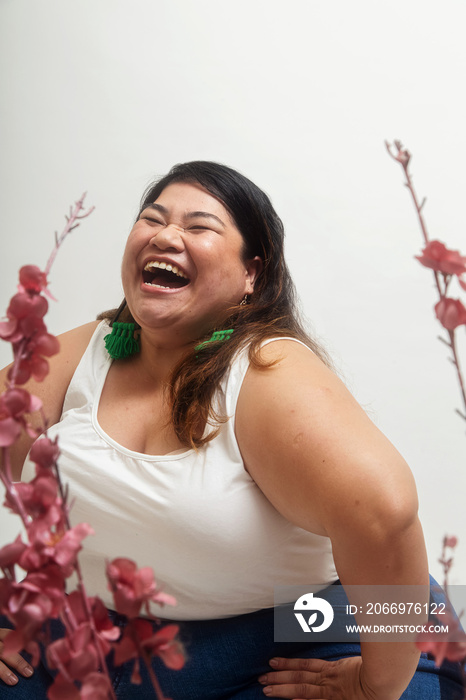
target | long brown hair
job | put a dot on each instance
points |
(272, 309)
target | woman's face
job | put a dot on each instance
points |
(183, 264)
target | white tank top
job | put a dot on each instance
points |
(197, 518)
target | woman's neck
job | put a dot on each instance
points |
(156, 359)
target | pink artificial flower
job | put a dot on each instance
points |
(47, 529)
(450, 541)
(27, 611)
(26, 330)
(8, 330)
(74, 655)
(28, 605)
(403, 156)
(106, 630)
(95, 686)
(44, 452)
(49, 546)
(6, 588)
(32, 279)
(25, 314)
(65, 550)
(33, 363)
(438, 257)
(451, 313)
(139, 635)
(50, 540)
(10, 429)
(30, 335)
(40, 494)
(35, 366)
(49, 581)
(63, 688)
(132, 588)
(39, 497)
(449, 645)
(10, 554)
(14, 404)
(24, 305)
(20, 401)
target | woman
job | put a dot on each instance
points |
(232, 465)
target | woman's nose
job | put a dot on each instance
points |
(168, 237)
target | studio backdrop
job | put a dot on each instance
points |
(104, 96)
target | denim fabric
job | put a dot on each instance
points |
(225, 658)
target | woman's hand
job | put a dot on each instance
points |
(13, 661)
(314, 678)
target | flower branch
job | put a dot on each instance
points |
(450, 644)
(76, 214)
(446, 265)
(50, 555)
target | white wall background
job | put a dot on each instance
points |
(105, 95)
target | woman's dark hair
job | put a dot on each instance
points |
(271, 312)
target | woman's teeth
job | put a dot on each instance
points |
(163, 275)
(164, 266)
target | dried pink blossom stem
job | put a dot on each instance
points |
(146, 658)
(18, 356)
(403, 157)
(5, 475)
(72, 222)
(156, 685)
(447, 563)
(456, 363)
(30, 347)
(82, 587)
(20, 351)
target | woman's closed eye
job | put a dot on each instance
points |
(151, 220)
(207, 226)
(154, 222)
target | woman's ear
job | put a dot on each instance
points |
(253, 270)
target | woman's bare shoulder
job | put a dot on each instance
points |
(292, 355)
(73, 343)
(309, 445)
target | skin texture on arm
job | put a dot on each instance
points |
(328, 469)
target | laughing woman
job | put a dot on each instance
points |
(225, 453)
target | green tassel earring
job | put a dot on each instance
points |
(121, 342)
(216, 336)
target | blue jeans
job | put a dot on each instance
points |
(225, 658)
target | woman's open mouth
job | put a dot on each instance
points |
(163, 275)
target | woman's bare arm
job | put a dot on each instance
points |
(326, 467)
(53, 389)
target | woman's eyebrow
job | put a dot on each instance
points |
(189, 215)
(157, 207)
(205, 214)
